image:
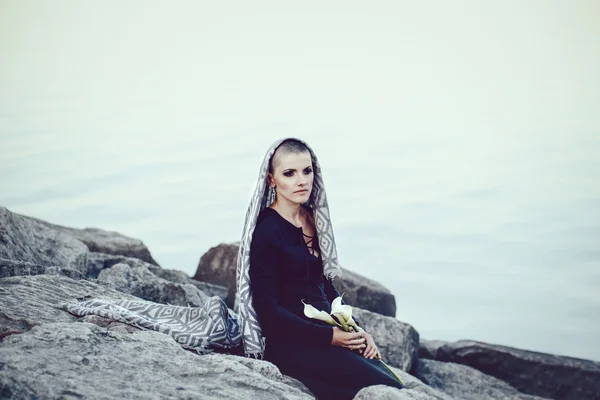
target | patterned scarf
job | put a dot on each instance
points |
(263, 197)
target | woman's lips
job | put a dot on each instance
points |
(301, 191)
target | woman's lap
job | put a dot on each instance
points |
(329, 371)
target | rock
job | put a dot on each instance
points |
(366, 293)
(98, 261)
(415, 389)
(83, 360)
(397, 341)
(181, 277)
(107, 242)
(19, 268)
(32, 300)
(142, 283)
(24, 239)
(218, 266)
(467, 383)
(539, 374)
(429, 348)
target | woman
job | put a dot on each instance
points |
(287, 256)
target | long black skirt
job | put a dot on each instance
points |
(330, 372)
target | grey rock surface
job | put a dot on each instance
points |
(467, 383)
(25, 239)
(218, 266)
(27, 301)
(107, 242)
(415, 389)
(534, 373)
(83, 360)
(429, 348)
(181, 277)
(142, 283)
(397, 341)
(366, 293)
(20, 268)
(99, 261)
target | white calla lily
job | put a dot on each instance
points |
(343, 310)
(312, 312)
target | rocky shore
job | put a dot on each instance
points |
(48, 353)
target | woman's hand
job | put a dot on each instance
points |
(350, 340)
(371, 351)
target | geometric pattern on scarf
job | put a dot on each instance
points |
(203, 329)
(253, 342)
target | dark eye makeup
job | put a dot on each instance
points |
(289, 173)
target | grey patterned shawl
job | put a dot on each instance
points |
(262, 197)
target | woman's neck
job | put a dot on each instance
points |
(292, 212)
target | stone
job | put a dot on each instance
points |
(415, 389)
(107, 242)
(181, 277)
(530, 372)
(365, 293)
(398, 342)
(19, 268)
(83, 360)
(219, 264)
(467, 383)
(98, 261)
(27, 301)
(429, 348)
(140, 282)
(27, 240)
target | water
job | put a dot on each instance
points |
(462, 171)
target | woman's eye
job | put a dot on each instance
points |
(307, 171)
(288, 173)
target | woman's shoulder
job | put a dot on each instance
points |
(266, 224)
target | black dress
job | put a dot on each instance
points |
(282, 273)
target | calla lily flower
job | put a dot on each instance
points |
(312, 312)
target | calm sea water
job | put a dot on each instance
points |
(484, 242)
(460, 142)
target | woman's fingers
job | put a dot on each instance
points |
(368, 351)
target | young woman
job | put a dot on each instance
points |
(287, 257)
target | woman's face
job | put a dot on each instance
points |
(293, 177)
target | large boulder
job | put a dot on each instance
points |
(107, 242)
(397, 341)
(218, 266)
(415, 390)
(99, 261)
(32, 300)
(27, 240)
(366, 293)
(463, 382)
(540, 374)
(83, 360)
(20, 268)
(429, 348)
(142, 283)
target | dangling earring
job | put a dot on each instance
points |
(271, 194)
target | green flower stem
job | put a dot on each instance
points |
(389, 369)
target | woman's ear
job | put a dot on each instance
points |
(270, 179)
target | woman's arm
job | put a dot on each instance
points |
(274, 319)
(332, 293)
